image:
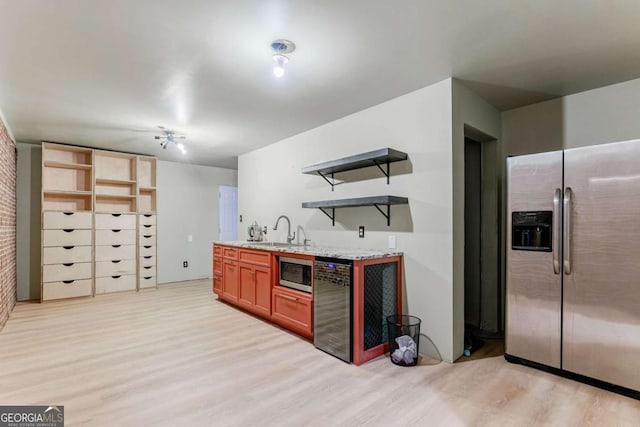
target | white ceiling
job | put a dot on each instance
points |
(106, 73)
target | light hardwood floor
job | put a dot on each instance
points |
(177, 356)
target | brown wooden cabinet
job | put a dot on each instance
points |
(230, 280)
(255, 289)
(293, 310)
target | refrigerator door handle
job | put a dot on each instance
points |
(568, 205)
(557, 195)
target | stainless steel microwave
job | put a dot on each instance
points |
(296, 273)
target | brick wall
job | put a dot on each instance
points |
(7, 224)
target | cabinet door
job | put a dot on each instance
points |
(217, 284)
(246, 297)
(262, 277)
(230, 281)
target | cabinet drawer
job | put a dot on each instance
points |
(147, 281)
(115, 268)
(147, 270)
(147, 239)
(68, 289)
(217, 266)
(66, 237)
(63, 272)
(231, 253)
(148, 260)
(115, 252)
(292, 311)
(115, 283)
(217, 250)
(115, 237)
(60, 220)
(66, 254)
(147, 229)
(147, 219)
(148, 250)
(255, 257)
(115, 222)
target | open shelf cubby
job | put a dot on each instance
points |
(147, 200)
(66, 200)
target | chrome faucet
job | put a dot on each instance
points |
(289, 236)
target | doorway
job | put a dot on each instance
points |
(482, 291)
(227, 213)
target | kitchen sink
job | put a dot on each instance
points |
(276, 244)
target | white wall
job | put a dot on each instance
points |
(188, 205)
(470, 110)
(602, 115)
(419, 123)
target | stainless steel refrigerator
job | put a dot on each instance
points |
(573, 262)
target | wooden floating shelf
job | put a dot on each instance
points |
(379, 158)
(375, 201)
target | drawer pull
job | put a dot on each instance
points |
(69, 264)
(288, 297)
(115, 277)
(116, 215)
(146, 226)
(115, 246)
(68, 247)
(147, 257)
(68, 282)
(147, 246)
(116, 231)
(147, 237)
(67, 230)
(149, 277)
(68, 213)
(116, 261)
(148, 267)
(147, 215)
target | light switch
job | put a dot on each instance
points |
(392, 242)
(189, 238)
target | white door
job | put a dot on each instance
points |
(228, 213)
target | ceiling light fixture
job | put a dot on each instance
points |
(169, 136)
(281, 47)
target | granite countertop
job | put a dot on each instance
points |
(323, 251)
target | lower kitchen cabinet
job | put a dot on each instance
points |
(292, 310)
(230, 280)
(255, 289)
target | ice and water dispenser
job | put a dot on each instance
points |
(531, 231)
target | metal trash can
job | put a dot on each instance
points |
(404, 339)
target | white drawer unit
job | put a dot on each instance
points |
(66, 254)
(115, 268)
(147, 229)
(115, 237)
(65, 272)
(115, 221)
(147, 250)
(115, 283)
(147, 281)
(147, 219)
(66, 237)
(115, 252)
(67, 289)
(147, 240)
(68, 220)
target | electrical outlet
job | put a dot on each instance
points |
(240, 218)
(361, 231)
(185, 264)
